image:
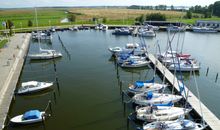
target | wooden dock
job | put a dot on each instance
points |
(212, 121)
(11, 58)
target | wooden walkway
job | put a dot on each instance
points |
(11, 58)
(208, 116)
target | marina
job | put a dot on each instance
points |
(86, 90)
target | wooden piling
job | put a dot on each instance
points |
(207, 71)
(216, 78)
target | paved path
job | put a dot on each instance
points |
(11, 61)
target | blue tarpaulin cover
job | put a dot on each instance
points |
(149, 95)
(139, 84)
(32, 114)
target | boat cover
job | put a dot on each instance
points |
(139, 84)
(149, 95)
(32, 114)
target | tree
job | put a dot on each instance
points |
(216, 8)
(30, 23)
(188, 14)
(156, 17)
(9, 25)
(104, 20)
(72, 18)
(140, 19)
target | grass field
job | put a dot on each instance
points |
(3, 42)
(53, 16)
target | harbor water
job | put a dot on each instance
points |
(88, 95)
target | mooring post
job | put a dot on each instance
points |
(54, 95)
(120, 87)
(216, 78)
(122, 96)
(207, 71)
(50, 107)
(128, 121)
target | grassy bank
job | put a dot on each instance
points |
(114, 16)
(3, 42)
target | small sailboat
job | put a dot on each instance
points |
(145, 86)
(135, 63)
(180, 124)
(160, 113)
(29, 117)
(45, 54)
(33, 86)
(149, 98)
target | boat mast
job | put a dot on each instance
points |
(38, 34)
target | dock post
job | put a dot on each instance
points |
(122, 96)
(124, 109)
(216, 78)
(128, 121)
(207, 71)
(120, 87)
(50, 106)
(54, 95)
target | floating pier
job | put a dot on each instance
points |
(210, 119)
(12, 59)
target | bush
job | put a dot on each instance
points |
(156, 17)
(30, 23)
(72, 18)
(188, 14)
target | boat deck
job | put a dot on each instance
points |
(212, 121)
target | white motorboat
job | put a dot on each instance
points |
(45, 54)
(29, 117)
(140, 87)
(129, 48)
(33, 86)
(185, 65)
(160, 113)
(204, 30)
(149, 98)
(101, 27)
(123, 58)
(173, 28)
(135, 63)
(146, 33)
(122, 31)
(180, 124)
(114, 50)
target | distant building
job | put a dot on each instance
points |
(206, 23)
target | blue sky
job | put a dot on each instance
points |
(38, 3)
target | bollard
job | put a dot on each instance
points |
(207, 71)
(216, 78)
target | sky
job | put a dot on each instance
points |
(40, 3)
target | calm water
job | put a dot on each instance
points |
(89, 96)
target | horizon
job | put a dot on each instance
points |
(95, 3)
